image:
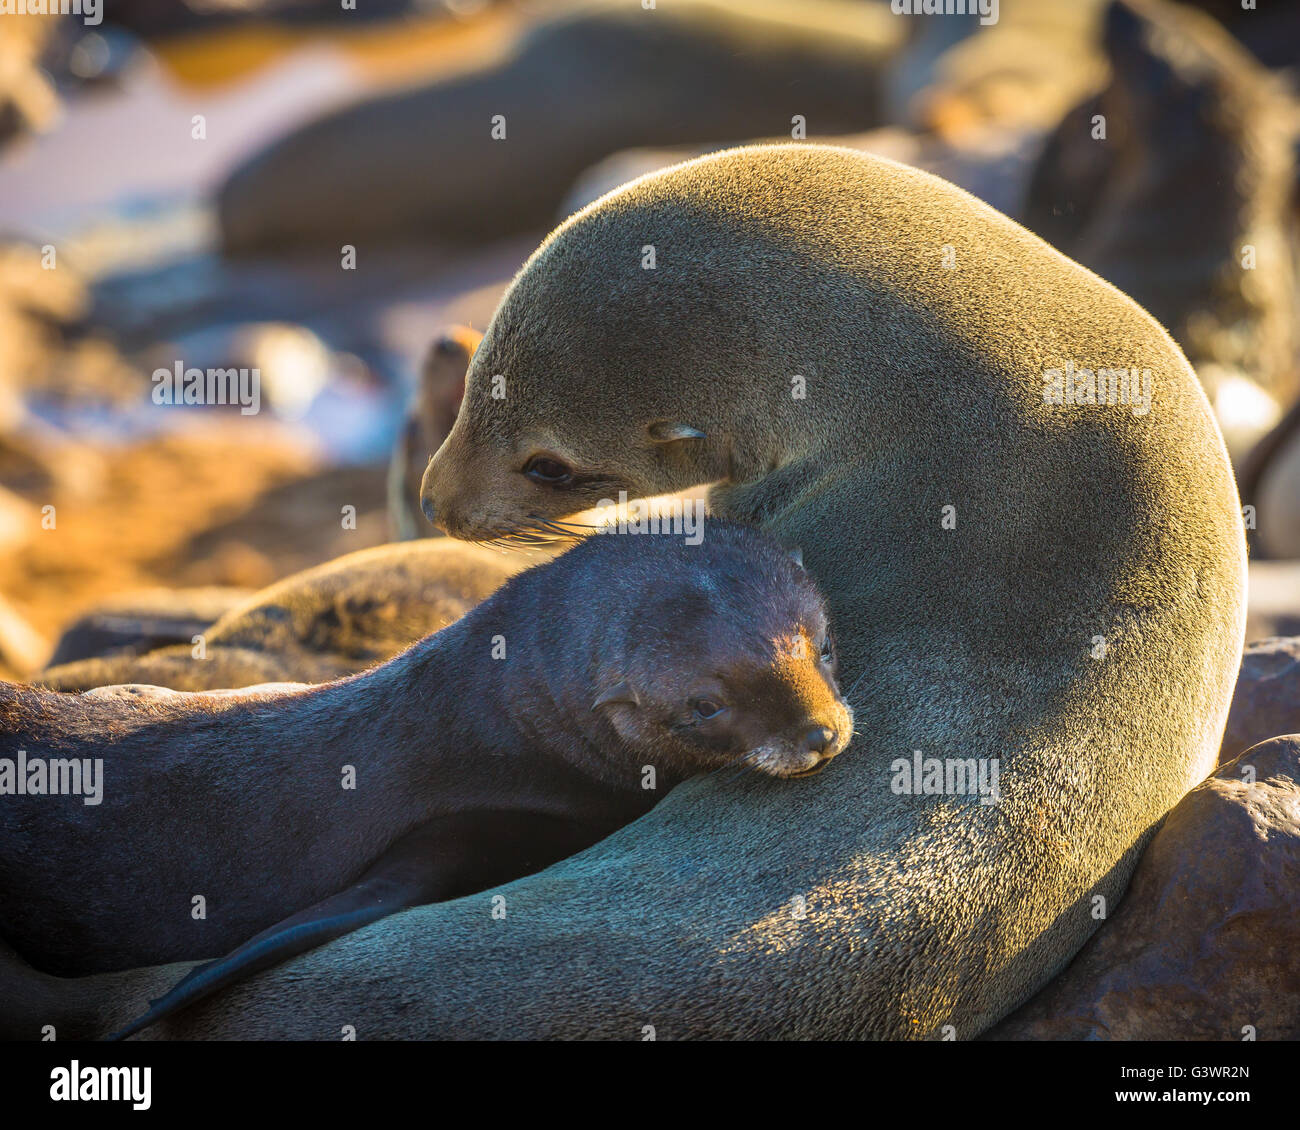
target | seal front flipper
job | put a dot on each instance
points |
(408, 874)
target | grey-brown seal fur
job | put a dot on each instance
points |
(705, 656)
(848, 910)
(925, 389)
(321, 624)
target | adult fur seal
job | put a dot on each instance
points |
(321, 624)
(539, 710)
(589, 79)
(1057, 586)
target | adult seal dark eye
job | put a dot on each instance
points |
(549, 471)
(706, 708)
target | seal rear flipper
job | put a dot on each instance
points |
(405, 876)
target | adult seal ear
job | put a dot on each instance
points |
(1025, 576)
(429, 418)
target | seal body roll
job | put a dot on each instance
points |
(320, 624)
(1021, 571)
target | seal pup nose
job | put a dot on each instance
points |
(430, 511)
(819, 739)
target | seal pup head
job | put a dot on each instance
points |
(720, 653)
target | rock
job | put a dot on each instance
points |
(1206, 943)
(1267, 699)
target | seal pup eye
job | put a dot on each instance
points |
(543, 469)
(828, 650)
(706, 708)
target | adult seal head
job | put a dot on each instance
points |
(871, 363)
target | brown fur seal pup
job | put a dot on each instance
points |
(428, 420)
(1055, 586)
(320, 624)
(595, 78)
(1197, 165)
(536, 710)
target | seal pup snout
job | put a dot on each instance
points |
(822, 744)
(813, 745)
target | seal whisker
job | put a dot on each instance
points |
(555, 532)
(517, 539)
(559, 523)
(743, 760)
(732, 763)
